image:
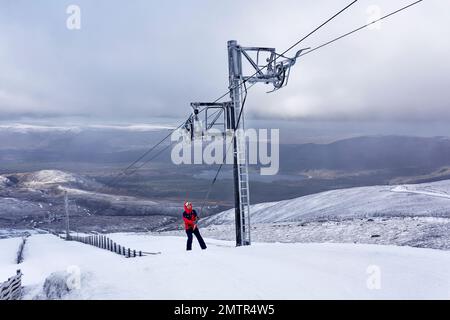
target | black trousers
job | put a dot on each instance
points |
(189, 233)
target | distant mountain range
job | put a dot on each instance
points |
(118, 145)
(368, 153)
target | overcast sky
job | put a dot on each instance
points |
(140, 59)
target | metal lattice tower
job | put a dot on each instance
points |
(275, 72)
(240, 167)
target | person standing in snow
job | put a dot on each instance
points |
(190, 225)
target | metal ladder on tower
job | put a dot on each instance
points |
(244, 193)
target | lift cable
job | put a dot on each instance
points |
(243, 83)
(288, 49)
(357, 29)
(124, 171)
(309, 51)
(222, 96)
(226, 152)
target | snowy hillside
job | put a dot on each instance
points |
(428, 199)
(4, 181)
(36, 199)
(53, 177)
(272, 271)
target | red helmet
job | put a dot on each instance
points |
(188, 207)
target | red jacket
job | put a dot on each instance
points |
(189, 219)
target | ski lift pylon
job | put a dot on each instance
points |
(209, 119)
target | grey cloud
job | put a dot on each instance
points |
(151, 58)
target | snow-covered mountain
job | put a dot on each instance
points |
(4, 181)
(49, 178)
(426, 200)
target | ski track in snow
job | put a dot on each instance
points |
(431, 193)
(260, 271)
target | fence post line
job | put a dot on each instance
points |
(104, 242)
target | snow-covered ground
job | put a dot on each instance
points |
(422, 232)
(407, 215)
(8, 257)
(428, 200)
(260, 271)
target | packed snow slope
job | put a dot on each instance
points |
(426, 200)
(223, 271)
